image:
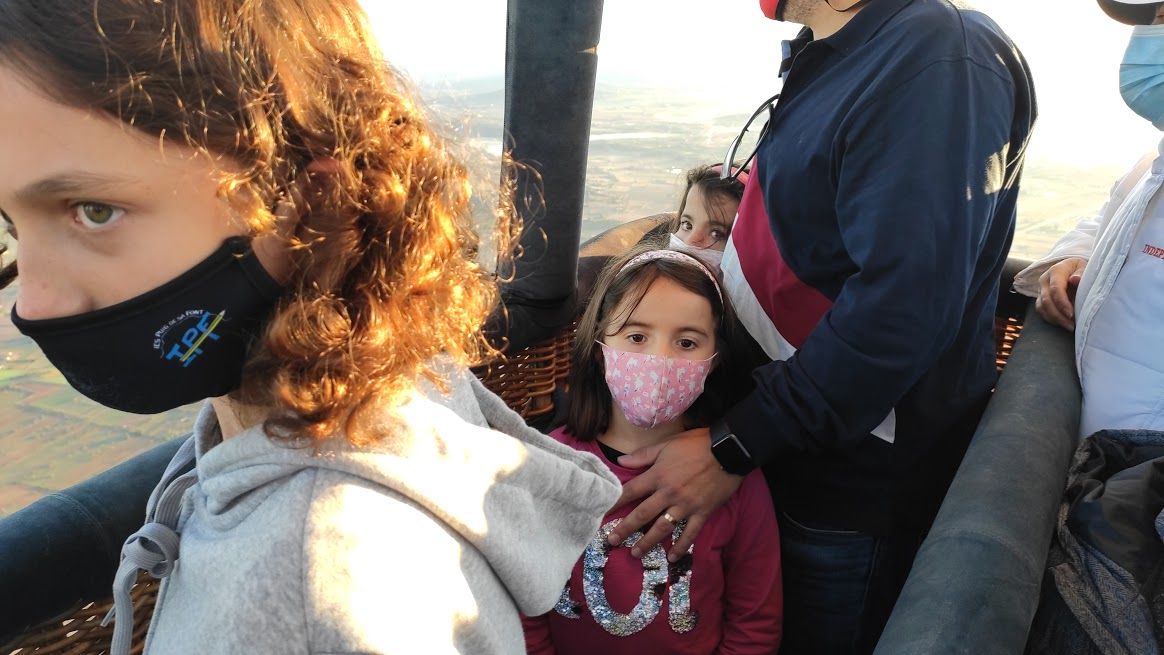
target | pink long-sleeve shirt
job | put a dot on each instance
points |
(725, 598)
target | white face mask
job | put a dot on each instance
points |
(711, 258)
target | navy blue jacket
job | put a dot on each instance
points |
(889, 180)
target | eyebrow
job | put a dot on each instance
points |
(68, 183)
(686, 328)
(714, 222)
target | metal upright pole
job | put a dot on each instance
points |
(551, 62)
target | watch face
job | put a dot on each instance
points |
(732, 455)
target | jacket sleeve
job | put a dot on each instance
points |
(913, 210)
(537, 635)
(753, 596)
(1080, 242)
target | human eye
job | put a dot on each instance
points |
(686, 226)
(688, 344)
(96, 215)
(636, 338)
(718, 235)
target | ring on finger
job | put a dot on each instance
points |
(670, 519)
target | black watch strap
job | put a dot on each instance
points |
(733, 457)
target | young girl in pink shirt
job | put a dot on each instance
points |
(654, 356)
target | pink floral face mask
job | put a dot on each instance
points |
(651, 389)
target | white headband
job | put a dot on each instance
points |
(674, 255)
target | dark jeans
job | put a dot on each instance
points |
(839, 586)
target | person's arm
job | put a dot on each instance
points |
(1080, 241)
(918, 176)
(753, 596)
(1076, 244)
(537, 635)
(1054, 279)
(1057, 287)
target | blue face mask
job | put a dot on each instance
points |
(1142, 73)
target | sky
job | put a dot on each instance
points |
(725, 52)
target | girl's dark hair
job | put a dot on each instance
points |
(384, 278)
(708, 178)
(590, 401)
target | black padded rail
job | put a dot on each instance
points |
(65, 547)
(550, 68)
(974, 586)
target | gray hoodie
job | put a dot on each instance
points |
(430, 541)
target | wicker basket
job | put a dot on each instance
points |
(80, 632)
(1006, 332)
(525, 380)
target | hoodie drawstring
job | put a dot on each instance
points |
(153, 548)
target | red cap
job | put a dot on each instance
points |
(771, 8)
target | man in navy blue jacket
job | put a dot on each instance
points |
(865, 260)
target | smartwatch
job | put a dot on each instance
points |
(733, 457)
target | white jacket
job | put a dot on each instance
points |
(1105, 241)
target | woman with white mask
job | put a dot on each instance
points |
(1102, 279)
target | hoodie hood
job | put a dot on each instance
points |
(524, 501)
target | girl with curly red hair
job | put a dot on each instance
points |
(238, 200)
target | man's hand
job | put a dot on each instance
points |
(1057, 286)
(685, 482)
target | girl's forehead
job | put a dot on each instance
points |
(52, 147)
(664, 303)
(703, 205)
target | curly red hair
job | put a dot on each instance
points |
(384, 278)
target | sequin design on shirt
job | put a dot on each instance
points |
(566, 605)
(657, 575)
(679, 613)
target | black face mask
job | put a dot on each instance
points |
(184, 341)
